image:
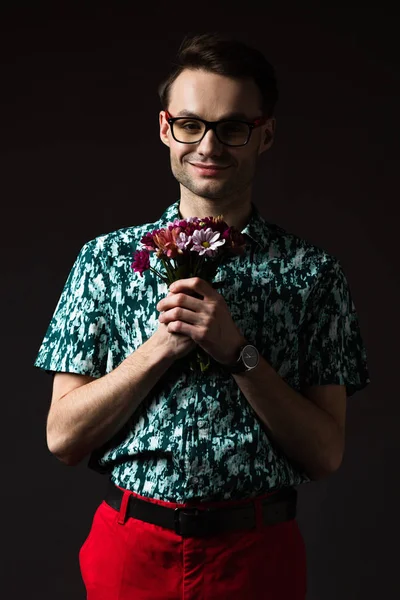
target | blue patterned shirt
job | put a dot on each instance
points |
(195, 435)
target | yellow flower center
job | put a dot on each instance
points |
(205, 244)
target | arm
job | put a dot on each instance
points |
(309, 428)
(86, 412)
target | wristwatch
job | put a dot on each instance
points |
(248, 360)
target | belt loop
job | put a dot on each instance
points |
(124, 507)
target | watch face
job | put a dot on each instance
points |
(250, 356)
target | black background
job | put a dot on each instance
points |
(80, 155)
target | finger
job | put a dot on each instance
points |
(180, 299)
(179, 314)
(181, 328)
(194, 284)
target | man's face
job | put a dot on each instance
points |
(214, 97)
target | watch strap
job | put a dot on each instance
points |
(239, 366)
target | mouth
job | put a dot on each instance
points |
(208, 169)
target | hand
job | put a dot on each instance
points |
(176, 345)
(206, 321)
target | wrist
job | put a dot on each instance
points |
(247, 359)
(155, 354)
(234, 355)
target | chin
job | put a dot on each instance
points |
(211, 191)
(209, 194)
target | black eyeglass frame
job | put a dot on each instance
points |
(213, 126)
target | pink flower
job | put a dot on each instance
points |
(165, 240)
(205, 241)
(177, 223)
(141, 261)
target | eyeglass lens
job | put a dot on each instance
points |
(233, 133)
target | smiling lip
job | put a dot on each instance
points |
(213, 167)
(208, 169)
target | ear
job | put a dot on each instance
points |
(164, 128)
(267, 135)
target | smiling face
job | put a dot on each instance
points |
(214, 97)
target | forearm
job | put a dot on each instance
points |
(307, 434)
(89, 415)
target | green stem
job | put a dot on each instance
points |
(168, 268)
(199, 265)
(159, 274)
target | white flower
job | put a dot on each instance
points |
(205, 241)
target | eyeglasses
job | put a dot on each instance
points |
(188, 130)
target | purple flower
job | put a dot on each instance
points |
(205, 241)
(216, 223)
(141, 261)
(148, 241)
(183, 241)
(235, 240)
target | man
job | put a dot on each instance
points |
(230, 444)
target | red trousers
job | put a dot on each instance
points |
(128, 559)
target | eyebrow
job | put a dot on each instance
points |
(232, 115)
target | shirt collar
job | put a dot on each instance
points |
(257, 228)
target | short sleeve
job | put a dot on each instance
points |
(77, 338)
(332, 349)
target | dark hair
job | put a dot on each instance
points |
(223, 55)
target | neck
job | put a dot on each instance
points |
(236, 211)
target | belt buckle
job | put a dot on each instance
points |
(191, 525)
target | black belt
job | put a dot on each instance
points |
(201, 522)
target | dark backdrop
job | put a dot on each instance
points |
(80, 156)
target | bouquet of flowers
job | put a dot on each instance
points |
(190, 247)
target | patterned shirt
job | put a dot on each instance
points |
(195, 435)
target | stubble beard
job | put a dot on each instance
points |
(214, 189)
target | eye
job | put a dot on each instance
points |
(189, 125)
(232, 127)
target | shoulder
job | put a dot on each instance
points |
(112, 246)
(299, 254)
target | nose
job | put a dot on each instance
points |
(210, 145)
